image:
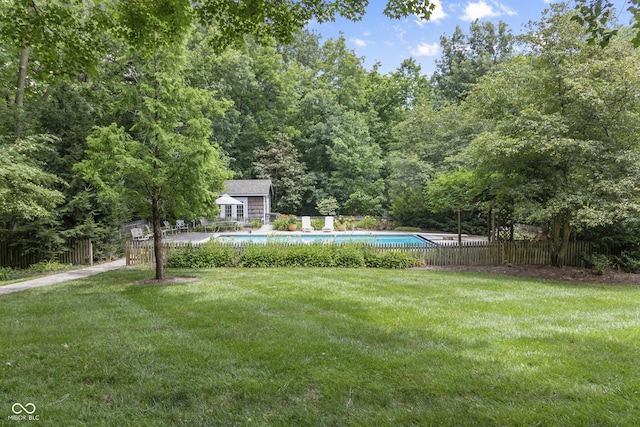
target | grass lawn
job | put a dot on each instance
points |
(309, 347)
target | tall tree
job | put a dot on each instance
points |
(565, 148)
(467, 57)
(598, 17)
(429, 142)
(280, 163)
(161, 161)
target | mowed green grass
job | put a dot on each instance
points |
(311, 347)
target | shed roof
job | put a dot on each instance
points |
(248, 187)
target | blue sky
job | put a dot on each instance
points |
(380, 39)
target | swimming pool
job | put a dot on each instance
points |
(395, 239)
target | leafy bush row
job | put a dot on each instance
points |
(8, 273)
(214, 255)
(627, 261)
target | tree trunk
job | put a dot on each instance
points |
(22, 77)
(459, 229)
(560, 238)
(157, 237)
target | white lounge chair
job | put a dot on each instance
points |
(204, 222)
(149, 232)
(181, 226)
(328, 224)
(306, 224)
(138, 234)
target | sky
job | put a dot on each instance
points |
(389, 42)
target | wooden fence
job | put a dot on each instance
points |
(495, 253)
(469, 253)
(80, 253)
(142, 252)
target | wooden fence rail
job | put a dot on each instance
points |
(80, 252)
(469, 253)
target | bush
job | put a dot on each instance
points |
(7, 273)
(210, 255)
(281, 224)
(628, 261)
(408, 229)
(285, 255)
(349, 256)
(389, 259)
(260, 256)
(46, 267)
(317, 224)
(367, 223)
(597, 262)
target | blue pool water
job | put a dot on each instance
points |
(374, 239)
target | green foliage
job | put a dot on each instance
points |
(628, 261)
(564, 154)
(349, 256)
(328, 206)
(317, 224)
(598, 262)
(280, 224)
(367, 223)
(6, 273)
(42, 267)
(280, 163)
(389, 259)
(209, 255)
(27, 191)
(286, 255)
(468, 57)
(256, 223)
(408, 229)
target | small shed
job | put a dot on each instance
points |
(255, 195)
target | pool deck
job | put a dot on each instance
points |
(202, 237)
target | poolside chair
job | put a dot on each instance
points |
(328, 224)
(204, 222)
(138, 234)
(180, 225)
(149, 232)
(166, 227)
(306, 224)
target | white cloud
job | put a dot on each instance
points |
(436, 15)
(425, 49)
(481, 9)
(359, 42)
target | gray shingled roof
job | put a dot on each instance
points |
(248, 187)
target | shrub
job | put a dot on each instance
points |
(281, 224)
(46, 267)
(256, 223)
(368, 223)
(349, 256)
(597, 262)
(628, 261)
(409, 229)
(389, 259)
(209, 255)
(260, 256)
(317, 224)
(6, 273)
(287, 255)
